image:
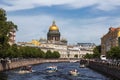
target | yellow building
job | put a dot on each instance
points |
(35, 42)
(111, 39)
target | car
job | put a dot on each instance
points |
(103, 57)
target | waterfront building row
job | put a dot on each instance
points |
(54, 42)
(66, 51)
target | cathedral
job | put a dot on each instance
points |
(54, 36)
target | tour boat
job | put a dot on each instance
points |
(25, 69)
(51, 69)
(74, 72)
(73, 61)
(82, 65)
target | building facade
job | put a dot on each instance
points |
(111, 39)
(12, 35)
(86, 46)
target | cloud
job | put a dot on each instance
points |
(74, 30)
(31, 27)
(13, 5)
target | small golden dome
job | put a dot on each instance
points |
(53, 27)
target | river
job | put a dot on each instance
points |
(62, 73)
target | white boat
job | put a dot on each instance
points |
(74, 72)
(51, 69)
(73, 61)
(82, 65)
(25, 69)
(23, 72)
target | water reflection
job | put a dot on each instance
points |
(3, 76)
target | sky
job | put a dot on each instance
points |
(79, 21)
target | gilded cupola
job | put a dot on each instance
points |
(53, 27)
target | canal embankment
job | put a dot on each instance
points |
(12, 64)
(110, 69)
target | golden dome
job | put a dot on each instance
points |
(53, 27)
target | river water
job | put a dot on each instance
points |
(62, 73)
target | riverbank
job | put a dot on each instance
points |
(8, 64)
(109, 69)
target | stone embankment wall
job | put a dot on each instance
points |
(110, 69)
(12, 64)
